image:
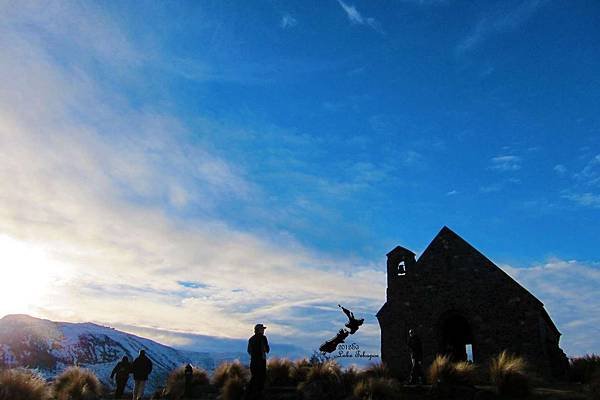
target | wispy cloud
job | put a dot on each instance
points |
(585, 188)
(569, 290)
(355, 17)
(590, 174)
(586, 199)
(498, 22)
(499, 186)
(127, 200)
(287, 21)
(560, 169)
(412, 158)
(505, 163)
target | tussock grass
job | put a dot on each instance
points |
(443, 371)
(229, 370)
(77, 384)
(279, 372)
(175, 388)
(233, 388)
(376, 370)
(299, 370)
(508, 374)
(323, 382)
(582, 369)
(592, 388)
(328, 371)
(465, 372)
(377, 388)
(21, 384)
(351, 376)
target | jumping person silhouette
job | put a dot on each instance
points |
(353, 324)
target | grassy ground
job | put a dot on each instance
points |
(425, 392)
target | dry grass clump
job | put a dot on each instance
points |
(582, 369)
(328, 371)
(323, 382)
(439, 369)
(299, 370)
(465, 372)
(508, 374)
(443, 371)
(376, 370)
(351, 376)
(593, 387)
(77, 384)
(233, 388)
(279, 372)
(176, 381)
(378, 388)
(21, 384)
(229, 370)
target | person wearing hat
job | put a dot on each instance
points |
(258, 347)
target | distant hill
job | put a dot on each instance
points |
(51, 346)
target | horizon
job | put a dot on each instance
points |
(196, 168)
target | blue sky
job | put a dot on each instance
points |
(219, 163)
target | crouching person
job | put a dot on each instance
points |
(141, 368)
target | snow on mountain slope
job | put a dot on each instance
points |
(52, 346)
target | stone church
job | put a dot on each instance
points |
(460, 302)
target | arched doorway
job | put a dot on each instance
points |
(456, 337)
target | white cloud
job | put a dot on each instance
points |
(357, 18)
(411, 157)
(287, 21)
(505, 163)
(586, 199)
(570, 291)
(95, 192)
(498, 22)
(584, 191)
(560, 169)
(590, 174)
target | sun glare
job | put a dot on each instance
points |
(27, 274)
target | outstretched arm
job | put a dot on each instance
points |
(346, 311)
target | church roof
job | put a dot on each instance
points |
(447, 242)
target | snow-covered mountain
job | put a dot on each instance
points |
(52, 346)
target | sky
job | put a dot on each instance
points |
(187, 168)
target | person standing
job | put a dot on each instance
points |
(188, 375)
(258, 347)
(141, 368)
(416, 357)
(121, 371)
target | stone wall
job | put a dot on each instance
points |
(452, 278)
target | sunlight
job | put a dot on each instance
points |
(27, 274)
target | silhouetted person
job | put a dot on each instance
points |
(330, 345)
(416, 357)
(258, 347)
(188, 372)
(353, 324)
(121, 371)
(141, 368)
